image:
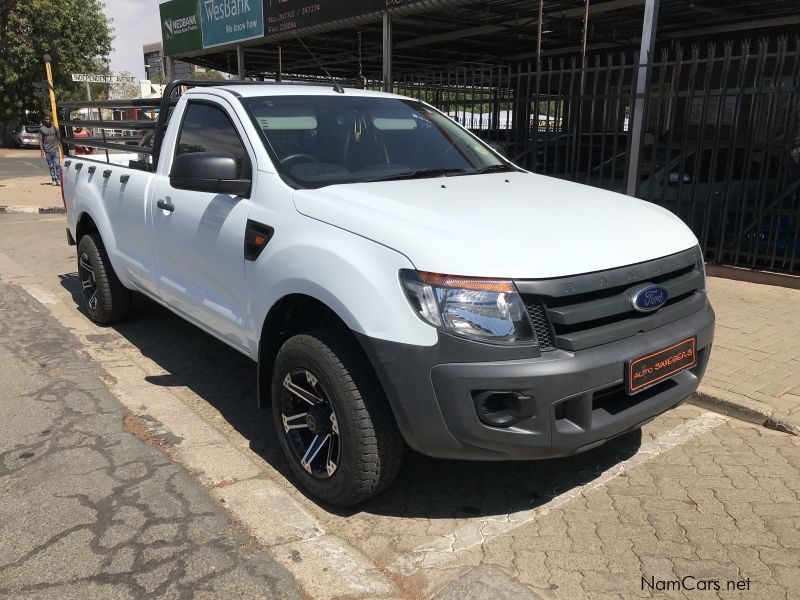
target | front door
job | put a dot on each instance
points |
(199, 236)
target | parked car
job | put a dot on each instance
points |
(26, 136)
(395, 279)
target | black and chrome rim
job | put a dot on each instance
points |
(310, 424)
(88, 281)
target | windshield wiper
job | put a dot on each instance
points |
(494, 169)
(418, 174)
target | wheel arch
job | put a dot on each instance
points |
(291, 315)
(85, 225)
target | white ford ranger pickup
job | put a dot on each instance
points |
(396, 280)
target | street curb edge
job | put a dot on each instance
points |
(32, 210)
(716, 402)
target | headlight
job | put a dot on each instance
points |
(485, 309)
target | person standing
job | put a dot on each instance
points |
(80, 132)
(50, 146)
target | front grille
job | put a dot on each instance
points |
(574, 313)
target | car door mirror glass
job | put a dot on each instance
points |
(215, 172)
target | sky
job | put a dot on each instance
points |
(136, 22)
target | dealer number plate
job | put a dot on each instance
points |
(658, 366)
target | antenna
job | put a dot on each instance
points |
(336, 86)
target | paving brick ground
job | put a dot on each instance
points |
(755, 363)
(722, 507)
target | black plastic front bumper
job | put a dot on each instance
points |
(577, 400)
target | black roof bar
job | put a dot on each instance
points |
(97, 124)
(92, 143)
(122, 103)
(172, 92)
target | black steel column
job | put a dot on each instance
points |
(387, 52)
(637, 116)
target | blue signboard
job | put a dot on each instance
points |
(227, 21)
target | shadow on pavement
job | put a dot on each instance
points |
(426, 487)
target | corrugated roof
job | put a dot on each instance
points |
(433, 34)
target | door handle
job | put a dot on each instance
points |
(164, 206)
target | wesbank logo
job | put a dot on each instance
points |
(217, 10)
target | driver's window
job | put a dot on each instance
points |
(207, 128)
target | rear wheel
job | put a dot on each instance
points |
(332, 418)
(107, 300)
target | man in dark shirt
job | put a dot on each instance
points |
(50, 146)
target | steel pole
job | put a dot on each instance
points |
(387, 52)
(240, 62)
(637, 117)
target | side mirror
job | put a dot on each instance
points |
(215, 172)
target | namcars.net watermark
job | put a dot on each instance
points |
(689, 583)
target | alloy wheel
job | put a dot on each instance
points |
(310, 424)
(88, 280)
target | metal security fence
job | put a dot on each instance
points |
(721, 141)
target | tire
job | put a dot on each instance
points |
(364, 444)
(107, 301)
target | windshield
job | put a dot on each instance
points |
(324, 140)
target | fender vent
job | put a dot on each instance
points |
(256, 238)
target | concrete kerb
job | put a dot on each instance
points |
(743, 408)
(32, 210)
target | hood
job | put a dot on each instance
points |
(506, 225)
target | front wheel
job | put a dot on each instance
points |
(333, 420)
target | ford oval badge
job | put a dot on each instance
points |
(650, 298)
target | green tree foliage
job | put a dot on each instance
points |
(75, 33)
(209, 74)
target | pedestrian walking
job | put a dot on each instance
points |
(50, 146)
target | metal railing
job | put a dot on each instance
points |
(721, 147)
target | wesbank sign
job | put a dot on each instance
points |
(226, 21)
(191, 25)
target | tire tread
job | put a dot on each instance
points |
(113, 299)
(380, 445)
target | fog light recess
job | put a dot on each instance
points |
(504, 408)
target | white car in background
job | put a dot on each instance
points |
(26, 136)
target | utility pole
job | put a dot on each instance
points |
(49, 72)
